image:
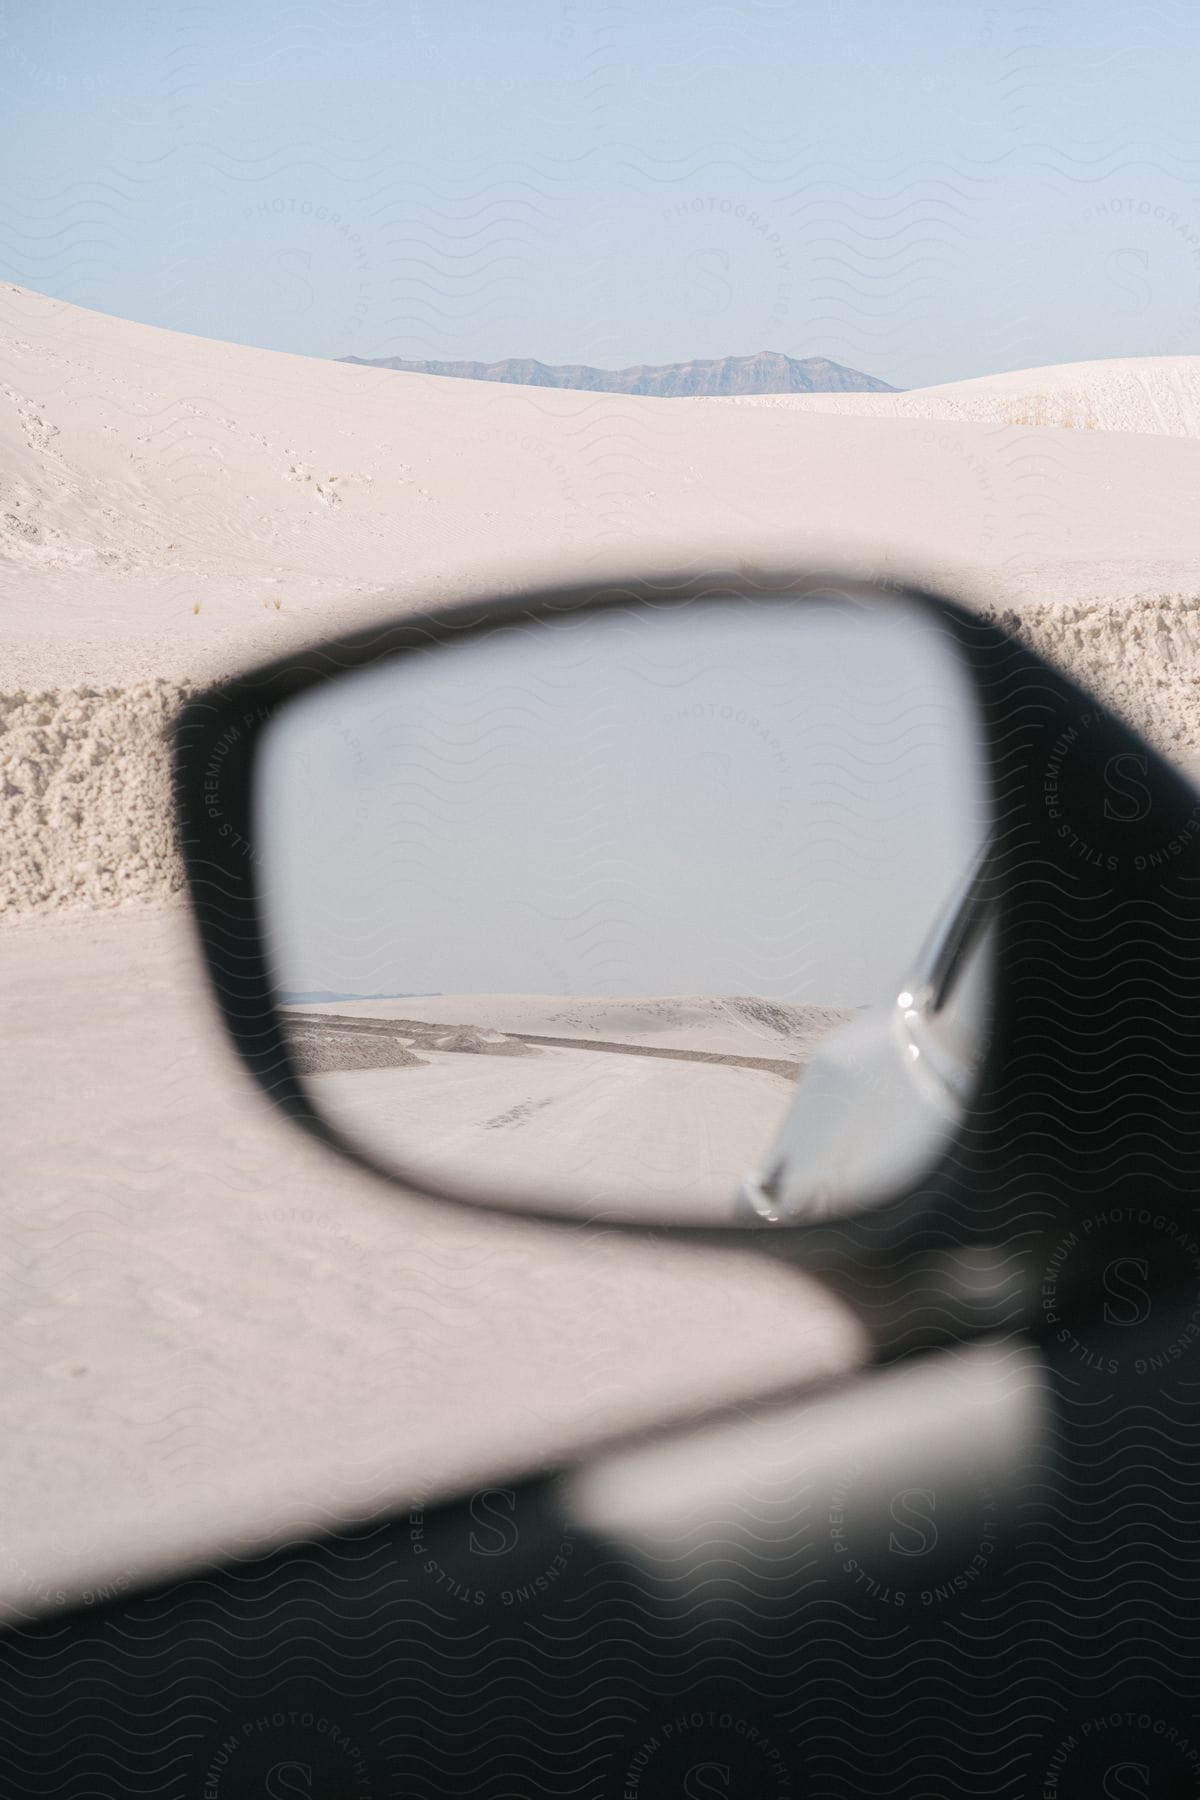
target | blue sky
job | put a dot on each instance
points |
(923, 191)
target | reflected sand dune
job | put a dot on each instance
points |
(725, 1027)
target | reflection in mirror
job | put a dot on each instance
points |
(608, 913)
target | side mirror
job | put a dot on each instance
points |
(885, 1093)
(750, 901)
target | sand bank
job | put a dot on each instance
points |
(173, 508)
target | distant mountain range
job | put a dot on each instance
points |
(321, 996)
(768, 372)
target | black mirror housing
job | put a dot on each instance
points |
(1080, 1152)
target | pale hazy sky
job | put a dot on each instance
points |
(745, 799)
(921, 189)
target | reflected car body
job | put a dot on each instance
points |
(882, 1096)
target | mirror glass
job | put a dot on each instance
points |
(636, 913)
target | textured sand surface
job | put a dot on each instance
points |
(1159, 395)
(217, 1337)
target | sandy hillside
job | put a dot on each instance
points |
(162, 492)
(1155, 395)
(173, 507)
(721, 1024)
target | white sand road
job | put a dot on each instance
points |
(610, 1107)
(217, 1337)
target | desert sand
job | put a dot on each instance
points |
(1154, 395)
(172, 508)
(217, 1337)
(619, 1137)
(638, 1108)
(736, 1025)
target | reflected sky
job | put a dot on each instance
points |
(743, 797)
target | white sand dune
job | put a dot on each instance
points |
(716, 1023)
(1155, 395)
(172, 508)
(161, 492)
